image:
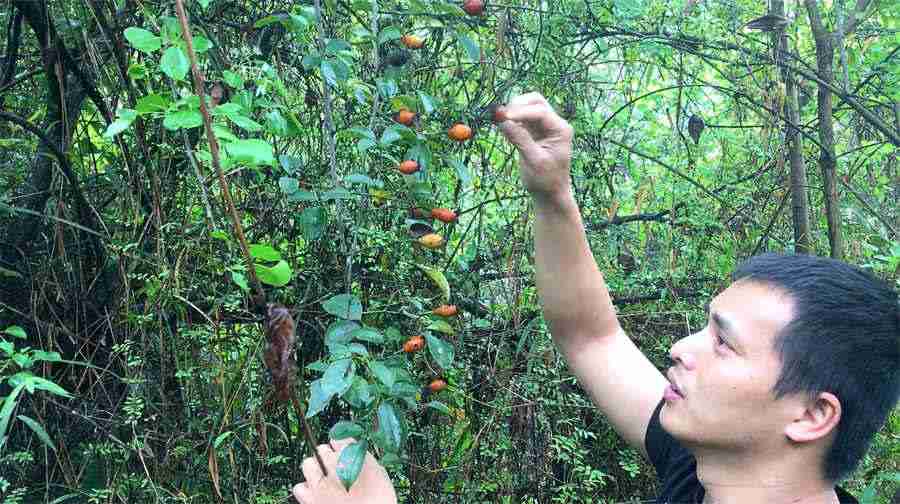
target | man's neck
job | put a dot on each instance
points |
(743, 495)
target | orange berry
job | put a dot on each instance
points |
(408, 167)
(437, 385)
(443, 214)
(473, 7)
(414, 344)
(412, 41)
(431, 240)
(460, 132)
(499, 114)
(445, 310)
(405, 117)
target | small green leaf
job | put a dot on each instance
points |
(8, 405)
(383, 373)
(142, 40)
(221, 437)
(152, 103)
(441, 326)
(441, 351)
(344, 430)
(39, 430)
(470, 46)
(390, 135)
(312, 222)
(40, 355)
(122, 122)
(276, 276)
(245, 122)
(345, 306)
(233, 80)
(202, 44)
(389, 425)
(241, 280)
(16, 332)
(288, 185)
(264, 252)
(47, 385)
(427, 102)
(359, 178)
(339, 332)
(182, 119)
(359, 395)
(362, 132)
(367, 334)
(335, 46)
(174, 63)
(350, 463)
(318, 399)
(439, 406)
(7, 347)
(389, 33)
(328, 72)
(252, 152)
(439, 279)
(461, 171)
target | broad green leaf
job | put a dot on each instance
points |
(427, 102)
(311, 61)
(328, 72)
(182, 119)
(16, 332)
(288, 185)
(264, 252)
(40, 355)
(389, 425)
(470, 46)
(364, 145)
(383, 373)
(339, 332)
(312, 222)
(336, 378)
(390, 135)
(441, 351)
(350, 463)
(8, 405)
(341, 68)
(336, 194)
(367, 334)
(142, 40)
(202, 44)
(47, 385)
(387, 87)
(276, 276)
(335, 46)
(221, 437)
(389, 33)
(241, 280)
(7, 347)
(232, 79)
(297, 23)
(441, 326)
(357, 349)
(152, 103)
(39, 430)
(344, 430)
(245, 122)
(345, 306)
(122, 122)
(318, 399)
(439, 406)
(438, 278)
(359, 395)
(252, 152)
(277, 124)
(174, 63)
(359, 178)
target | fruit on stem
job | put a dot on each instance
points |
(431, 240)
(437, 385)
(408, 167)
(414, 344)
(473, 7)
(443, 214)
(445, 310)
(460, 132)
(412, 41)
(405, 117)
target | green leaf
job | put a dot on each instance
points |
(362, 132)
(390, 135)
(336, 378)
(233, 80)
(40, 355)
(16, 332)
(441, 326)
(221, 437)
(47, 385)
(312, 222)
(142, 40)
(335, 46)
(439, 406)
(359, 178)
(439, 280)
(276, 276)
(383, 373)
(318, 399)
(241, 280)
(264, 252)
(461, 171)
(252, 152)
(122, 122)
(202, 44)
(152, 103)
(470, 46)
(8, 405)
(427, 102)
(389, 425)
(182, 119)
(266, 21)
(7, 347)
(328, 72)
(364, 145)
(358, 395)
(367, 334)
(441, 351)
(174, 63)
(311, 61)
(245, 122)
(350, 463)
(344, 430)
(39, 430)
(288, 185)
(389, 33)
(339, 332)
(345, 306)
(277, 124)
(387, 87)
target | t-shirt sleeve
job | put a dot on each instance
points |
(658, 442)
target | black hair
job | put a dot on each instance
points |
(844, 339)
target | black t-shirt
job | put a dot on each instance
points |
(676, 468)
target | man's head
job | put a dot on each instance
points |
(800, 354)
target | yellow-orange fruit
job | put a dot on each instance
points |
(412, 41)
(437, 385)
(473, 7)
(445, 310)
(405, 117)
(414, 344)
(408, 167)
(460, 132)
(431, 240)
(443, 214)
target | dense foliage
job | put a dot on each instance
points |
(142, 236)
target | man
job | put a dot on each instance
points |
(774, 401)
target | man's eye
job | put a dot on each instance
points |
(719, 340)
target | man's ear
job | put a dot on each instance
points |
(817, 420)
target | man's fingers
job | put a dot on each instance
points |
(527, 99)
(340, 444)
(517, 135)
(311, 470)
(302, 493)
(537, 113)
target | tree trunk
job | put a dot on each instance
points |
(799, 202)
(827, 162)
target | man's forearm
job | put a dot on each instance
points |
(573, 294)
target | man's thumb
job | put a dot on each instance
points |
(517, 135)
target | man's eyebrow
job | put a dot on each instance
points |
(726, 328)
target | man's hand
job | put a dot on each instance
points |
(544, 142)
(372, 487)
